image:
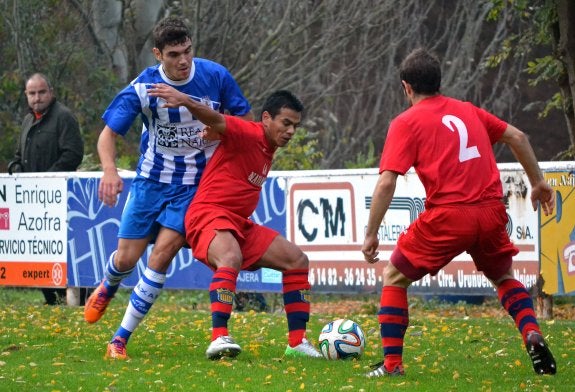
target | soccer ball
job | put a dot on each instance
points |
(341, 339)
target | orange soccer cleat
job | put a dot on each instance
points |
(117, 349)
(97, 303)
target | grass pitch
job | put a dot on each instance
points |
(447, 348)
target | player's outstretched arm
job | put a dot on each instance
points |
(541, 192)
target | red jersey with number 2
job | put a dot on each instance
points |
(449, 144)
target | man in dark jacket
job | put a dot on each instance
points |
(50, 141)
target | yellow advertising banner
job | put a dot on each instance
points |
(558, 236)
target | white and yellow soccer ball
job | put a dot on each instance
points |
(342, 339)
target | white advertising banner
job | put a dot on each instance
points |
(33, 231)
(328, 215)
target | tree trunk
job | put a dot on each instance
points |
(125, 28)
(141, 17)
(544, 301)
(545, 307)
(107, 19)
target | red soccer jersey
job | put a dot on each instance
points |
(236, 172)
(449, 144)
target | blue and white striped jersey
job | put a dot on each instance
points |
(171, 147)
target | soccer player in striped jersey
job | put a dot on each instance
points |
(173, 158)
(449, 144)
(218, 227)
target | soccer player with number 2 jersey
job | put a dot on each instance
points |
(449, 144)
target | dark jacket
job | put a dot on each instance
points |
(53, 143)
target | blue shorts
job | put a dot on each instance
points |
(153, 204)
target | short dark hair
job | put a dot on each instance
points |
(282, 99)
(421, 69)
(39, 75)
(170, 31)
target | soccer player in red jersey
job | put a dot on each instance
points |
(218, 227)
(449, 144)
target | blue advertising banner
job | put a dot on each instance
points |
(93, 229)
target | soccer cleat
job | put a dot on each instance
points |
(304, 349)
(117, 349)
(97, 303)
(381, 371)
(223, 346)
(543, 361)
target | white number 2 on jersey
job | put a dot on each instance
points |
(454, 123)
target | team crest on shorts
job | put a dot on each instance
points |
(225, 296)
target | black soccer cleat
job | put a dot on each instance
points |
(543, 361)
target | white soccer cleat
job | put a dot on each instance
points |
(223, 346)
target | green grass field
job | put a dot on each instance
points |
(447, 348)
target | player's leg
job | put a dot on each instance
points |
(393, 317)
(53, 296)
(120, 265)
(488, 255)
(285, 256)
(137, 227)
(160, 206)
(147, 290)
(429, 243)
(224, 255)
(517, 301)
(212, 236)
(493, 255)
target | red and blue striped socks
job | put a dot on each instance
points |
(516, 300)
(296, 289)
(393, 319)
(222, 291)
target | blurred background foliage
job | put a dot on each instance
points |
(514, 58)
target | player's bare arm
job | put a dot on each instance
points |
(541, 192)
(380, 202)
(174, 98)
(111, 183)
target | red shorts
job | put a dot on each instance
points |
(441, 233)
(202, 223)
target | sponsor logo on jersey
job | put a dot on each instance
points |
(256, 179)
(167, 135)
